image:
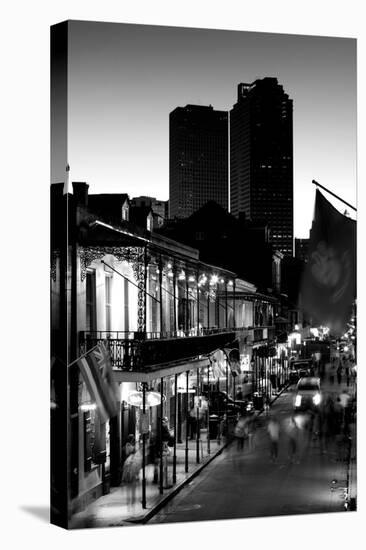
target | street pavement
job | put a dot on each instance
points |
(247, 483)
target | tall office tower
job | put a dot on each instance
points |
(198, 164)
(302, 249)
(261, 159)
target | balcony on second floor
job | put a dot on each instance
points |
(137, 351)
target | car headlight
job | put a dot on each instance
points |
(317, 399)
(298, 401)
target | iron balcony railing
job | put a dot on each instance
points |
(135, 351)
(154, 335)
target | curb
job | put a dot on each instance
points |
(179, 487)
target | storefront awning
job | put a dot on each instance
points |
(160, 372)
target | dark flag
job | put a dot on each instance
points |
(96, 369)
(233, 358)
(329, 282)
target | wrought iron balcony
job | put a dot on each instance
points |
(134, 351)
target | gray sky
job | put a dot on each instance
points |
(125, 79)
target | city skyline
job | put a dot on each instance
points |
(125, 79)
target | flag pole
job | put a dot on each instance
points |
(334, 195)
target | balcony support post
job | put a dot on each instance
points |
(208, 307)
(198, 305)
(234, 304)
(187, 421)
(227, 394)
(226, 318)
(175, 428)
(161, 458)
(161, 297)
(208, 410)
(217, 306)
(186, 328)
(144, 448)
(175, 300)
(198, 419)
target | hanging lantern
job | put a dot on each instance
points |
(152, 398)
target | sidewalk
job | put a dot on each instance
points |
(113, 509)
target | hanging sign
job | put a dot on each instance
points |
(144, 423)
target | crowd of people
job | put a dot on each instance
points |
(327, 424)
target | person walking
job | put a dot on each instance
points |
(130, 476)
(241, 432)
(222, 429)
(339, 373)
(292, 434)
(252, 428)
(347, 371)
(130, 446)
(345, 400)
(273, 429)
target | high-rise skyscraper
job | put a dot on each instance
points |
(198, 164)
(261, 159)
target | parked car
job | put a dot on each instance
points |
(221, 403)
(300, 368)
(308, 394)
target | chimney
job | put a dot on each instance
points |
(80, 189)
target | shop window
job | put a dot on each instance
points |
(91, 317)
(95, 440)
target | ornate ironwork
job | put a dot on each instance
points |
(54, 256)
(136, 257)
(131, 254)
(140, 269)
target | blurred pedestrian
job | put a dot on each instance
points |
(292, 434)
(241, 432)
(222, 429)
(338, 412)
(192, 422)
(252, 428)
(130, 475)
(266, 407)
(347, 371)
(239, 394)
(130, 446)
(345, 401)
(328, 428)
(155, 454)
(339, 373)
(331, 378)
(273, 429)
(354, 373)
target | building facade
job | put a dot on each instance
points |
(198, 159)
(261, 159)
(170, 324)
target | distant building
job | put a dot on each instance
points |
(261, 159)
(237, 244)
(113, 206)
(198, 164)
(158, 207)
(302, 249)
